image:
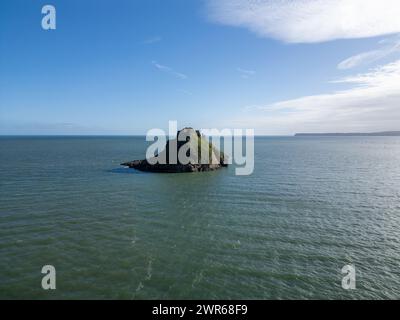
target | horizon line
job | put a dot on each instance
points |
(117, 135)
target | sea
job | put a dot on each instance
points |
(312, 206)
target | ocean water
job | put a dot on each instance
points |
(311, 206)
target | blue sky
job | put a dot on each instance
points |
(124, 67)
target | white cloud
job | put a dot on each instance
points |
(169, 70)
(306, 21)
(152, 40)
(245, 73)
(371, 56)
(186, 92)
(371, 104)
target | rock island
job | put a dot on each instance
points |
(197, 147)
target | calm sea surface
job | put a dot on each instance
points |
(311, 206)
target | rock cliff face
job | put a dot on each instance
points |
(197, 148)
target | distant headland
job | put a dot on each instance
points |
(351, 134)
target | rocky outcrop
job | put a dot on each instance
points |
(197, 145)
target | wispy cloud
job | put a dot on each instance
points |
(152, 40)
(169, 70)
(186, 92)
(390, 47)
(372, 103)
(44, 128)
(306, 21)
(245, 74)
